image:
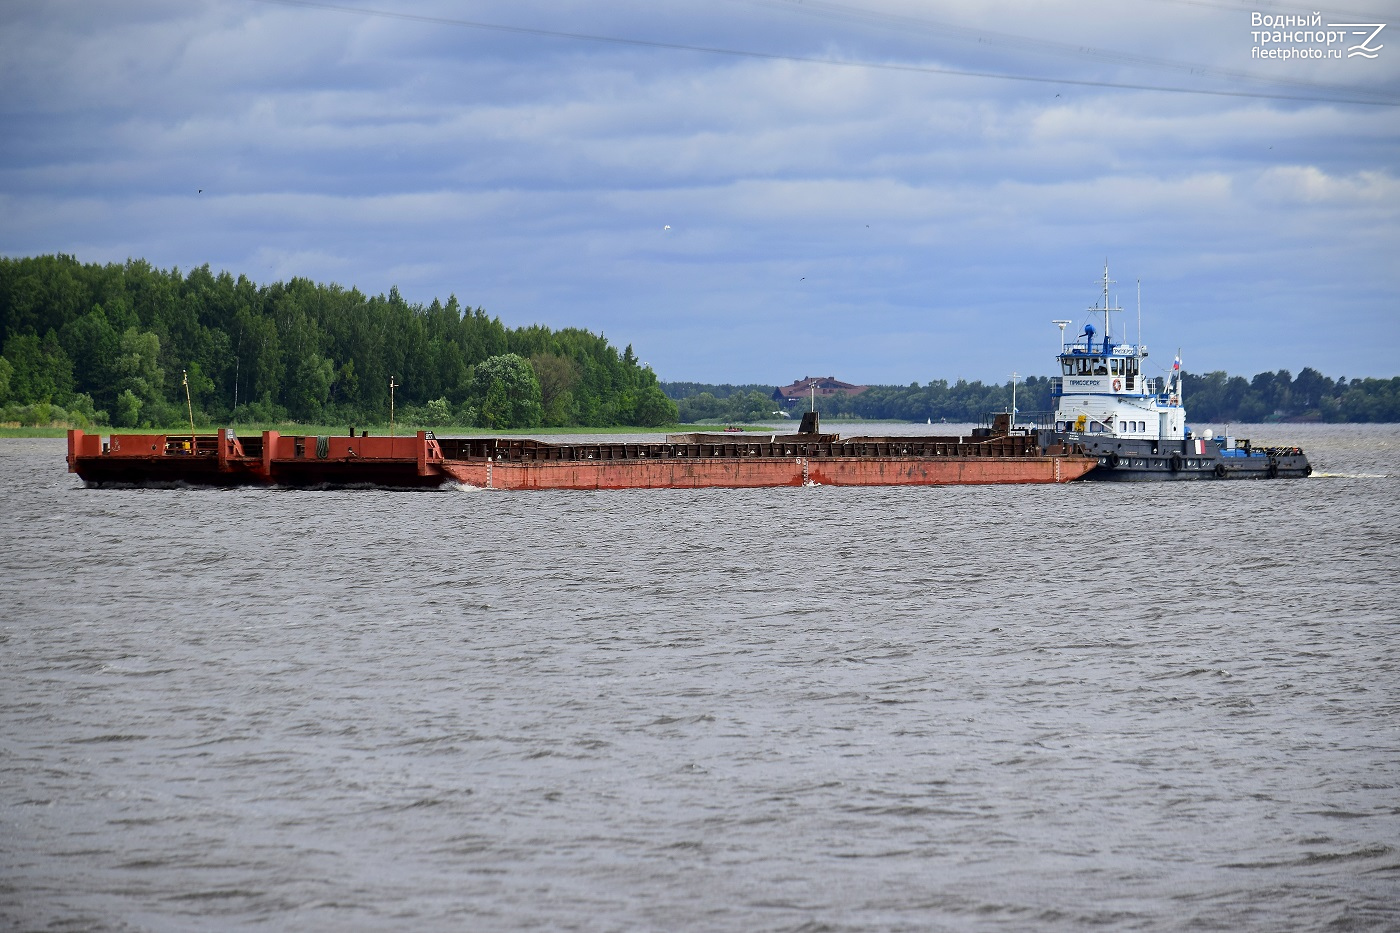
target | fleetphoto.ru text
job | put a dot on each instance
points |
(1306, 36)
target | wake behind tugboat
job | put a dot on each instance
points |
(1136, 426)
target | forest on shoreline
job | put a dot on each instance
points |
(116, 344)
(1214, 397)
(97, 345)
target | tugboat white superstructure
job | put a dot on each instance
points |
(1135, 424)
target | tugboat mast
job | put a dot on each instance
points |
(1107, 326)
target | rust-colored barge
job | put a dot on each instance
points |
(224, 459)
(688, 461)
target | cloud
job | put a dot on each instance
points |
(880, 225)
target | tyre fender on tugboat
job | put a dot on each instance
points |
(1176, 463)
(1113, 461)
(1220, 471)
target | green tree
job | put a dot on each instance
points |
(93, 345)
(201, 386)
(139, 374)
(438, 412)
(310, 387)
(82, 413)
(655, 409)
(700, 407)
(128, 409)
(496, 407)
(557, 376)
(1311, 389)
(40, 370)
(509, 392)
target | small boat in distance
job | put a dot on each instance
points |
(1135, 425)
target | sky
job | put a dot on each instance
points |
(884, 191)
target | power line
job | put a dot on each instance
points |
(811, 60)
(944, 30)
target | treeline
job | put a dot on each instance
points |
(116, 343)
(961, 401)
(1218, 397)
(1211, 398)
(698, 402)
(939, 400)
(680, 390)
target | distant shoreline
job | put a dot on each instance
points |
(249, 430)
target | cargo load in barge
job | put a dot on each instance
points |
(692, 461)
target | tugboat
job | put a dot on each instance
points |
(1136, 425)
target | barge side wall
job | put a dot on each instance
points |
(738, 474)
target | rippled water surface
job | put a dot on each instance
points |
(1170, 706)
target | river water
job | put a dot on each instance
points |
(1154, 707)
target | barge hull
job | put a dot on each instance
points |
(223, 460)
(754, 473)
(496, 463)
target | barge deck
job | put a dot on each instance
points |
(681, 462)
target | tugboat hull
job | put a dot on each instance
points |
(1128, 461)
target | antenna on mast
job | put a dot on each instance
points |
(1062, 325)
(1107, 326)
(1139, 293)
(1106, 309)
